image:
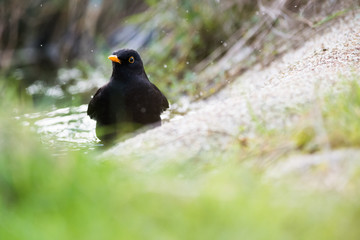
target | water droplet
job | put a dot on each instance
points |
(92, 50)
(187, 63)
(41, 4)
(165, 66)
(187, 11)
(225, 44)
(41, 45)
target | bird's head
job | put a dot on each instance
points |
(126, 62)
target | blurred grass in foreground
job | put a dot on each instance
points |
(76, 196)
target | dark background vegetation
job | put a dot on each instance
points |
(177, 39)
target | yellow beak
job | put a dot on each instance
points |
(114, 58)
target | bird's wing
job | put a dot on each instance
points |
(95, 104)
(164, 101)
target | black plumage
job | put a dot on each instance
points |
(128, 101)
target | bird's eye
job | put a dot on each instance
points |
(131, 60)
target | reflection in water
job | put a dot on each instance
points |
(67, 128)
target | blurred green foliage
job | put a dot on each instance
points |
(187, 33)
(341, 116)
(333, 122)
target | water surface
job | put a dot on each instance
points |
(65, 128)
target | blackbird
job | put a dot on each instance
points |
(128, 101)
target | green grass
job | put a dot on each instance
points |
(334, 121)
(215, 196)
(331, 17)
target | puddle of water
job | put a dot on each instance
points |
(69, 129)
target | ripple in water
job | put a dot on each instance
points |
(66, 128)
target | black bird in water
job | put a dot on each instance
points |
(128, 101)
